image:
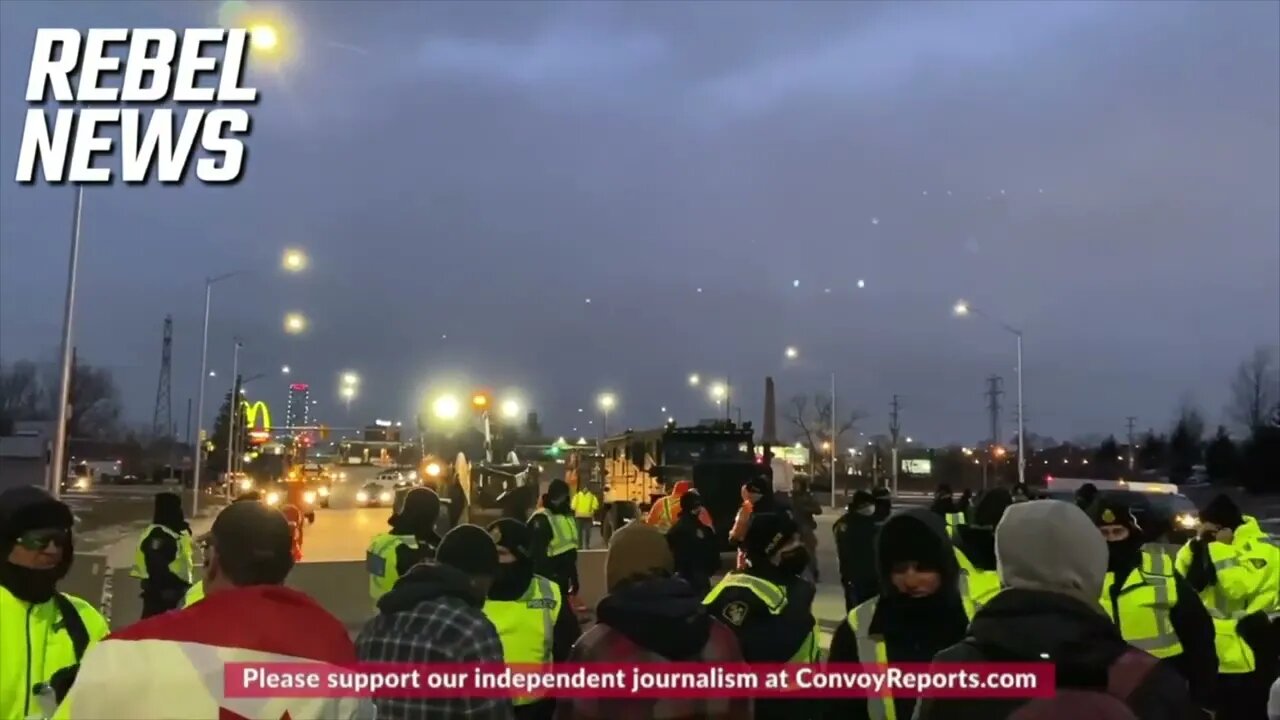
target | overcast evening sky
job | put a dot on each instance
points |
(1104, 176)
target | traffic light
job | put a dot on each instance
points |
(554, 451)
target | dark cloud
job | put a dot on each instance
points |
(1103, 175)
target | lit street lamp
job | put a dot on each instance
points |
(792, 353)
(694, 380)
(350, 379)
(294, 260)
(606, 402)
(284, 369)
(510, 409)
(264, 37)
(295, 323)
(348, 394)
(446, 407)
(964, 309)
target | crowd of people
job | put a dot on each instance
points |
(1132, 630)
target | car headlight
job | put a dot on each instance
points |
(309, 496)
(362, 496)
(246, 484)
(342, 476)
(82, 482)
(1188, 521)
(324, 492)
(413, 474)
(433, 469)
(384, 496)
(273, 498)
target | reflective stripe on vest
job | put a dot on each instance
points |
(1144, 604)
(775, 600)
(380, 562)
(564, 533)
(526, 625)
(195, 594)
(954, 519)
(181, 565)
(977, 587)
(1235, 656)
(871, 650)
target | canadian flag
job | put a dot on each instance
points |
(171, 667)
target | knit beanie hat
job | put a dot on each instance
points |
(636, 551)
(1223, 512)
(511, 535)
(470, 549)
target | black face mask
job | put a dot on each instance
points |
(30, 585)
(1124, 555)
(794, 561)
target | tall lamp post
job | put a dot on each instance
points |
(964, 309)
(607, 401)
(204, 373)
(58, 456)
(234, 406)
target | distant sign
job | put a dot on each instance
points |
(917, 467)
(382, 423)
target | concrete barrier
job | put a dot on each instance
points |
(342, 588)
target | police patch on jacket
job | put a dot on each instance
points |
(735, 612)
(155, 543)
(540, 604)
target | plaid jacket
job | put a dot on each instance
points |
(604, 644)
(441, 630)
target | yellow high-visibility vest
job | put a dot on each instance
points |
(977, 587)
(584, 504)
(181, 565)
(380, 561)
(774, 598)
(1142, 608)
(873, 650)
(564, 532)
(195, 594)
(526, 626)
(1228, 600)
(955, 520)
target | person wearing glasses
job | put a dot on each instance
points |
(43, 632)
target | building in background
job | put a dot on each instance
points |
(298, 411)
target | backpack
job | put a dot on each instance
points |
(1124, 677)
(73, 624)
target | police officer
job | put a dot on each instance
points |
(585, 504)
(975, 550)
(769, 606)
(163, 561)
(1229, 563)
(694, 546)
(529, 611)
(1154, 607)
(855, 534)
(944, 505)
(43, 633)
(554, 543)
(412, 539)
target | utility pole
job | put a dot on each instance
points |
(162, 416)
(895, 428)
(1129, 421)
(833, 441)
(994, 391)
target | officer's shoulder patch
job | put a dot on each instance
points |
(702, 534)
(155, 543)
(735, 613)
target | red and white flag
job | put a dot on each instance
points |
(171, 667)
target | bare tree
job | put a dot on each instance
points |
(21, 393)
(812, 423)
(95, 401)
(1255, 389)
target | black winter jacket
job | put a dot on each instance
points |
(1082, 643)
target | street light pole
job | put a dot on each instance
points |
(58, 456)
(235, 392)
(204, 374)
(1022, 455)
(833, 441)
